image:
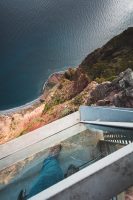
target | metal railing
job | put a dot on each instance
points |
(125, 139)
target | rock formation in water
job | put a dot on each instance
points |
(105, 77)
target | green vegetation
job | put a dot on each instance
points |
(65, 112)
(77, 101)
(46, 108)
(111, 78)
(22, 133)
(113, 58)
(70, 73)
(100, 80)
(56, 100)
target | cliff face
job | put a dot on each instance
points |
(113, 58)
(117, 93)
(95, 82)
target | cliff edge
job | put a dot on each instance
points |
(105, 77)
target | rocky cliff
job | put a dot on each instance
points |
(105, 77)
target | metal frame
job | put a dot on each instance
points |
(39, 140)
(106, 114)
(100, 181)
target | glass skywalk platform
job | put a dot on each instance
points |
(103, 152)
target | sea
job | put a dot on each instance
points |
(40, 37)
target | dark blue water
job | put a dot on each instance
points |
(39, 37)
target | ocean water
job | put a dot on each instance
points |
(40, 37)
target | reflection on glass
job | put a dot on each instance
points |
(77, 152)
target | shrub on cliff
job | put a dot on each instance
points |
(113, 58)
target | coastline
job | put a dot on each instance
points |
(32, 103)
(19, 108)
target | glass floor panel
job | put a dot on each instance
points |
(80, 150)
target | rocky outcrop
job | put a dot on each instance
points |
(15, 124)
(55, 103)
(117, 93)
(53, 80)
(71, 84)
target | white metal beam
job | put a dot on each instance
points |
(113, 124)
(39, 134)
(41, 145)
